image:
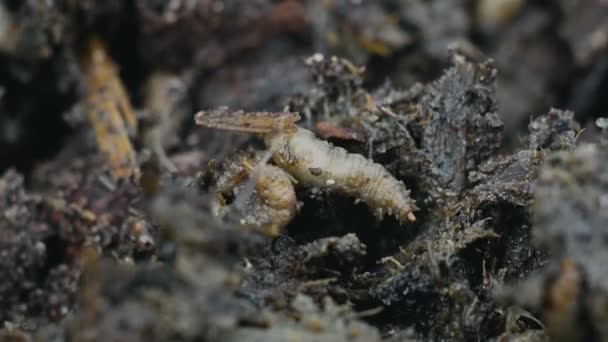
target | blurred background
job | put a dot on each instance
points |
(248, 54)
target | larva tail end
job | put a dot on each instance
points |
(198, 118)
(407, 215)
(411, 217)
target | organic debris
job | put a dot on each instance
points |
(121, 219)
(109, 109)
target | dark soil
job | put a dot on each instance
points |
(457, 99)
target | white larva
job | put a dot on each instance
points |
(265, 198)
(316, 163)
(275, 189)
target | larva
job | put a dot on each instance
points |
(265, 200)
(317, 163)
(275, 189)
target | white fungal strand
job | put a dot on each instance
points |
(315, 162)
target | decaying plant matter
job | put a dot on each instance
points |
(109, 109)
(165, 109)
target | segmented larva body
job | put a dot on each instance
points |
(263, 195)
(315, 162)
(275, 189)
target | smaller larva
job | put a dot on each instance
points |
(275, 189)
(314, 162)
(263, 195)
